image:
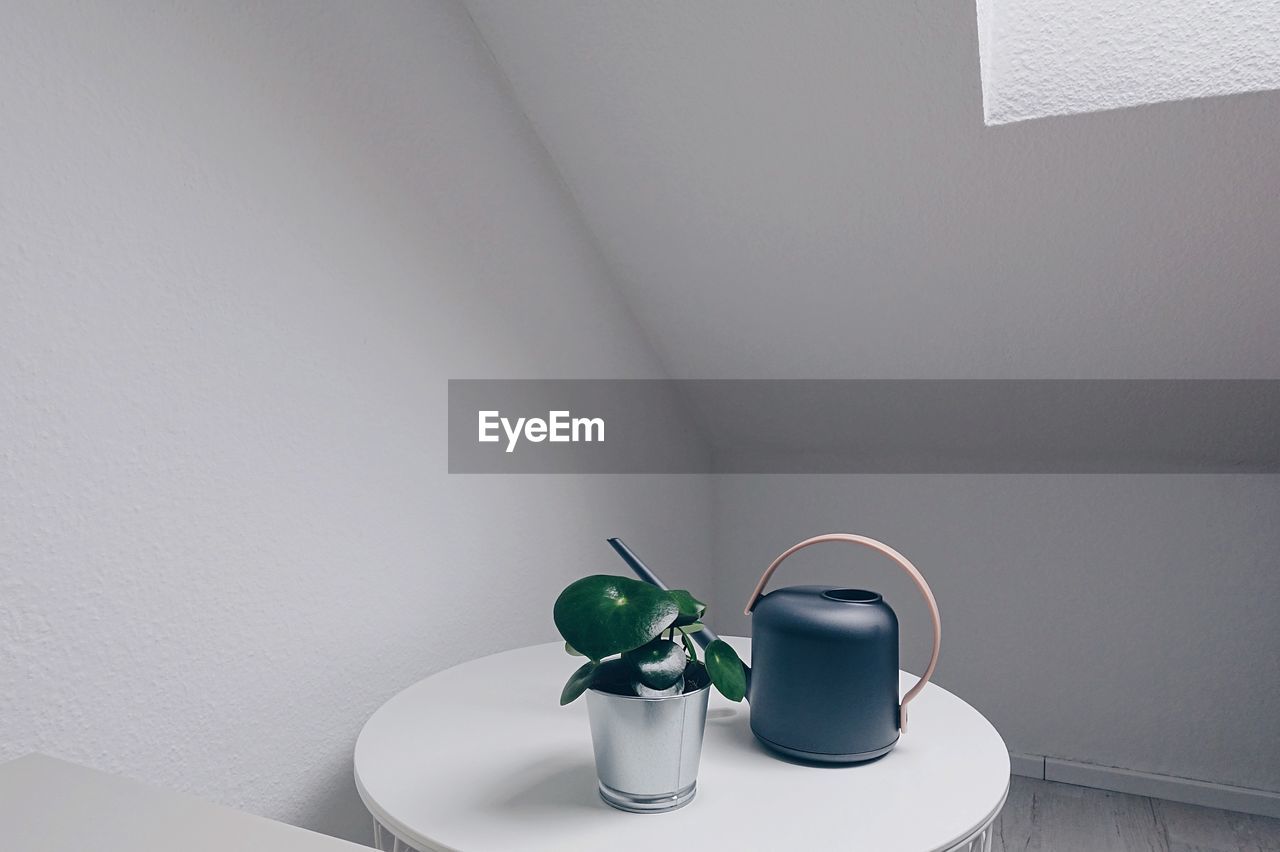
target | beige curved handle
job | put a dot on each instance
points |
(906, 566)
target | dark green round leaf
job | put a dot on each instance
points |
(603, 615)
(578, 682)
(657, 664)
(572, 651)
(691, 609)
(726, 670)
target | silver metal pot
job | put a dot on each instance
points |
(647, 749)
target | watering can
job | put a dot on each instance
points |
(823, 684)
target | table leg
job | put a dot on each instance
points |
(382, 836)
(980, 842)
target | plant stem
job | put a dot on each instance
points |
(689, 647)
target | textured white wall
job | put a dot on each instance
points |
(1127, 621)
(242, 247)
(1055, 58)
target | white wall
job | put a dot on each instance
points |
(1122, 620)
(242, 247)
(806, 190)
(1057, 57)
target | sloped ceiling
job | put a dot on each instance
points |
(1056, 57)
(808, 190)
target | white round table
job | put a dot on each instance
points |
(481, 758)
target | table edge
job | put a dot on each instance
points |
(424, 844)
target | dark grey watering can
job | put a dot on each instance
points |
(823, 683)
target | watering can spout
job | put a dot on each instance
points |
(703, 637)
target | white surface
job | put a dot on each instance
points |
(481, 757)
(242, 247)
(1100, 618)
(48, 805)
(1054, 57)
(806, 189)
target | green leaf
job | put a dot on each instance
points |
(578, 682)
(691, 609)
(726, 670)
(603, 615)
(571, 651)
(657, 664)
(691, 628)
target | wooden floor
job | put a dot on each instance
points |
(1043, 815)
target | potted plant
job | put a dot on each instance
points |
(646, 688)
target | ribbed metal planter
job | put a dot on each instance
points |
(647, 749)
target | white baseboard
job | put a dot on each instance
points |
(1174, 789)
(1026, 765)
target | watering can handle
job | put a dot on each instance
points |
(906, 566)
